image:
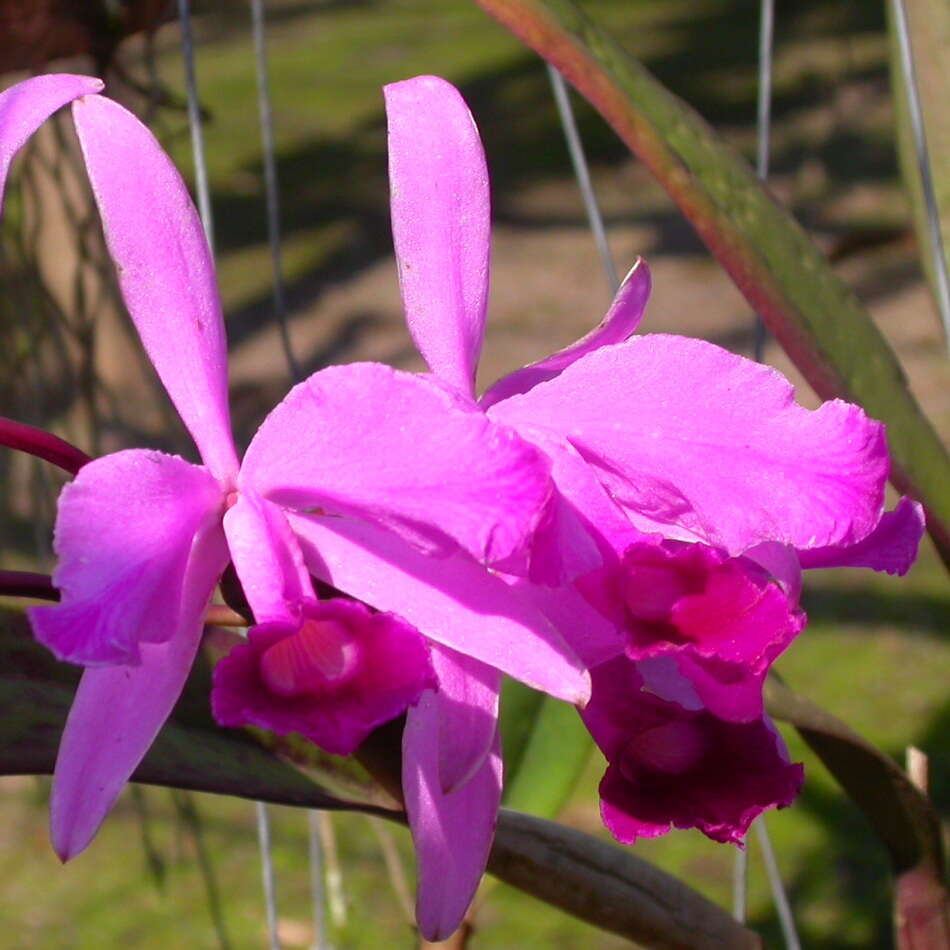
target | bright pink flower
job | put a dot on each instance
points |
(361, 471)
(676, 764)
(646, 436)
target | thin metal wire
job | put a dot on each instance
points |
(194, 123)
(267, 873)
(941, 277)
(272, 191)
(271, 184)
(579, 161)
(207, 221)
(317, 892)
(763, 128)
(782, 906)
(740, 881)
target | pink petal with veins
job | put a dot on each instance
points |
(685, 434)
(452, 832)
(165, 270)
(119, 710)
(618, 324)
(450, 600)
(441, 223)
(27, 105)
(403, 452)
(125, 527)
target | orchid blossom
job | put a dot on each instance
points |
(674, 460)
(412, 488)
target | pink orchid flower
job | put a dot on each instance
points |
(412, 488)
(649, 438)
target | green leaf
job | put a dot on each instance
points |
(598, 882)
(928, 24)
(817, 319)
(610, 887)
(191, 752)
(899, 812)
(546, 753)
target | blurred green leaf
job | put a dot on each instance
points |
(814, 315)
(591, 879)
(899, 812)
(929, 33)
(547, 753)
(191, 752)
(610, 887)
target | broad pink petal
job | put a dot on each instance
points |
(452, 832)
(125, 529)
(165, 270)
(267, 559)
(577, 482)
(118, 710)
(403, 451)
(464, 715)
(27, 105)
(441, 223)
(891, 546)
(618, 324)
(374, 670)
(683, 433)
(452, 600)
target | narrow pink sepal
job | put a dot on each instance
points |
(685, 434)
(452, 832)
(450, 600)
(165, 270)
(125, 529)
(119, 710)
(27, 105)
(891, 547)
(466, 717)
(402, 451)
(267, 559)
(441, 218)
(618, 324)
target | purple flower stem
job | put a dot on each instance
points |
(16, 435)
(27, 584)
(40, 587)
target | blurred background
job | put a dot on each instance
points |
(171, 869)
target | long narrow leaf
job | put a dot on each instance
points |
(610, 887)
(591, 879)
(191, 751)
(900, 813)
(817, 319)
